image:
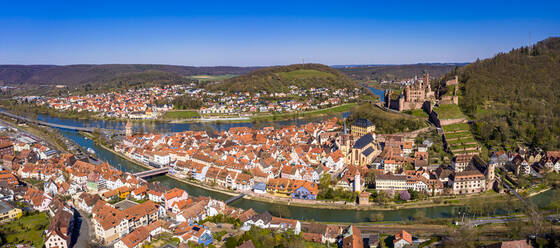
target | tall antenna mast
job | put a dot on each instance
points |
(530, 44)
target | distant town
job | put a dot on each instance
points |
(152, 103)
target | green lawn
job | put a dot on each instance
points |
(449, 111)
(456, 127)
(181, 114)
(212, 77)
(464, 140)
(459, 135)
(28, 229)
(418, 113)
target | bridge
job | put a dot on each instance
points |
(49, 124)
(152, 172)
(526, 203)
(235, 198)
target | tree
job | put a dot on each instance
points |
(463, 236)
(325, 181)
(404, 195)
(370, 176)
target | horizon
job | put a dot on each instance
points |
(333, 65)
(251, 33)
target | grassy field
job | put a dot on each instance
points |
(456, 127)
(26, 230)
(459, 135)
(464, 140)
(449, 111)
(181, 114)
(304, 73)
(418, 113)
(212, 77)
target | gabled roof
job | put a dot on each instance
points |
(363, 141)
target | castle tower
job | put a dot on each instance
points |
(128, 129)
(401, 103)
(388, 98)
(491, 172)
(407, 93)
(357, 182)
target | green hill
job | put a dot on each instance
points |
(279, 78)
(78, 75)
(515, 97)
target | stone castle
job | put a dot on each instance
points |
(415, 96)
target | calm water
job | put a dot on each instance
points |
(378, 92)
(302, 213)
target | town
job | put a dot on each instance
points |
(125, 210)
(259, 124)
(153, 102)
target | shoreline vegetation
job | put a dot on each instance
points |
(443, 201)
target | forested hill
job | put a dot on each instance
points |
(396, 72)
(515, 97)
(279, 78)
(77, 75)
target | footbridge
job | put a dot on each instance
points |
(235, 198)
(152, 172)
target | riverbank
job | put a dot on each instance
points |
(50, 137)
(21, 108)
(445, 201)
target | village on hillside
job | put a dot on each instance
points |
(152, 103)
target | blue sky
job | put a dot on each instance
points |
(244, 33)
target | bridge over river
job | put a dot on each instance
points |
(48, 124)
(152, 172)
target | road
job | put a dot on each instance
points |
(82, 228)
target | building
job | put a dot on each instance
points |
(391, 182)
(461, 161)
(6, 148)
(361, 127)
(135, 239)
(512, 244)
(468, 182)
(402, 239)
(363, 198)
(8, 213)
(363, 151)
(59, 234)
(351, 237)
(304, 190)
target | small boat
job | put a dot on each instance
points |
(90, 150)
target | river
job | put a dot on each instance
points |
(296, 212)
(377, 92)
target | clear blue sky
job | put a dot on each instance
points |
(260, 33)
